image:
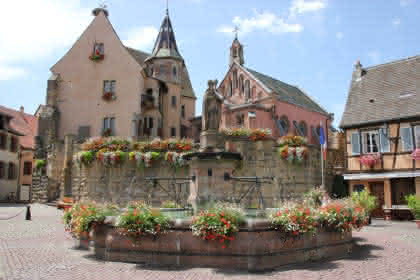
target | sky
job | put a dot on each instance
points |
(309, 43)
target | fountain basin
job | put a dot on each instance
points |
(256, 247)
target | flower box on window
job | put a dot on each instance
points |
(109, 96)
(370, 160)
(416, 154)
(98, 52)
(107, 132)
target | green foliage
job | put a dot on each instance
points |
(313, 198)
(86, 157)
(140, 219)
(170, 204)
(40, 163)
(218, 223)
(414, 205)
(364, 200)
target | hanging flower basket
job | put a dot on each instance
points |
(370, 160)
(109, 96)
(144, 159)
(416, 154)
(97, 56)
(293, 154)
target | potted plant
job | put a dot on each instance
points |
(364, 200)
(414, 205)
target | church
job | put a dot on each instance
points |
(102, 88)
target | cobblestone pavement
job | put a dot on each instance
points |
(40, 249)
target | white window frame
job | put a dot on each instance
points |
(417, 136)
(411, 138)
(365, 146)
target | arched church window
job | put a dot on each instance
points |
(241, 84)
(247, 89)
(303, 128)
(284, 124)
(235, 79)
(230, 88)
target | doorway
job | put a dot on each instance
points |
(377, 189)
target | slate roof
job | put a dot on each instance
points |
(24, 124)
(139, 56)
(385, 92)
(288, 93)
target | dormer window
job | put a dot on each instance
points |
(98, 52)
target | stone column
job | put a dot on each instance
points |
(387, 198)
(417, 180)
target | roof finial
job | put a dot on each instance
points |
(101, 8)
(167, 7)
(236, 30)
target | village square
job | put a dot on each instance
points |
(151, 155)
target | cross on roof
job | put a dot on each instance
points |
(102, 5)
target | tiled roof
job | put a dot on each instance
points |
(385, 92)
(23, 123)
(139, 56)
(288, 93)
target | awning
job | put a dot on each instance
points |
(387, 175)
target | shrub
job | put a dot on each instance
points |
(170, 204)
(40, 164)
(338, 216)
(85, 157)
(314, 197)
(140, 219)
(414, 205)
(296, 220)
(365, 200)
(218, 223)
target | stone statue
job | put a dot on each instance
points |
(212, 108)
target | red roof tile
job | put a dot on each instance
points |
(24, 123)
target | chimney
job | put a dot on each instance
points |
(22, 109)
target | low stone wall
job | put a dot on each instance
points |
(256, 247)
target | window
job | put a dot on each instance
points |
(370, 141)
(174, 71)
(183, 111)
(406, 139)
(150, 122)
(109, 127)
(173, 101)
(11, 171)
(13, 144)
(109, 86)
(240, 119)
(173, 132)
(3, 141)
(235, 79)
(355, 143)
(241, 84)
(98, 49)
(303, 128)
(27, 168)
(230, 88)
(2, 122)
(163, 70)
(383, 139)
(2, 170)
(283, 124)
(417, 136)
(252, 114)
(247, 90)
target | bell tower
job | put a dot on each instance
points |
(236, 51)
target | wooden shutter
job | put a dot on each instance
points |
(406, 139)
(355, 143)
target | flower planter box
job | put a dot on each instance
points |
(256, 247)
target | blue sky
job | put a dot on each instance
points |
(309, 43)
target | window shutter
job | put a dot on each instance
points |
(113, 83)
(406, 139)
(112, 125)
(383, 139)
(355, 144)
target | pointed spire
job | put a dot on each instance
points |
(165, 45)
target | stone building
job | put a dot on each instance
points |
(255, 100)
(381, 124)
(101, 87)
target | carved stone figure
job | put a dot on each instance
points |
(212, 108)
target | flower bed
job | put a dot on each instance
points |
(252, 134)
(416, 154)
(293, 148)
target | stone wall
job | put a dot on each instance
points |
(127, 182)
(40, 185)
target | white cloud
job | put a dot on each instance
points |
(374, 56)
(266, 21)
(32, 30)
(396, 22)
(9, 73)
(305, 6)
(339, 35)
(141, 37)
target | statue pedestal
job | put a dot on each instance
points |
(211, 140)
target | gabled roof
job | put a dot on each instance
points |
(139, 56)
(165, 45)
(384, 92)
(24, 124)
(287, 93)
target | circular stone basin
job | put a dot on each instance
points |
(256, 247)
